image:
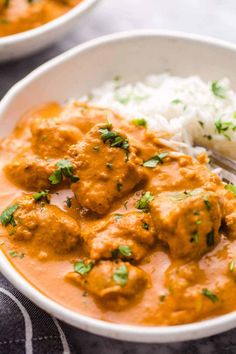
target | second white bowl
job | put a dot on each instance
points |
(28, 42)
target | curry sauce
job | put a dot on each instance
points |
(103, 216)
(23, 15)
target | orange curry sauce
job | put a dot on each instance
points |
(22, 15)
(149, 231)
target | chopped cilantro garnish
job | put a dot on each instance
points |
(119, 186)
(201, 123)
(121, 275)
(214, 298)
(145, 226)
(114, 139)
(82, 268)
(155, 160)
(65, 169)
(195, 237)
(15, 254)
(7, 216)
(140, 122)
(176, 101)
(206, 201)
(56, 177)
(222, 127)
(40, 195)
(143, 202)
(126, 98)
(231, 188)
(218, 90)
(125, 250)
(123, 99)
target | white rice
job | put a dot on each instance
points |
(188, 108)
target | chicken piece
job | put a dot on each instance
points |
(30, 172)
(85, 117)
(107, 167)
(44, 224)
(188, 222)
(127, 236)
(52, 138)
(113, 283)
(184, 301)
(178, 171)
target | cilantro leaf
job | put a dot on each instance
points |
(140, 122)
(121, 275)
(231, 188)
(145, 226)
(214, 298)
(7, 216)
(223, 127)
(206, 201)
(126, 98)
(176, 101)
(56, 177)
(125, 250)
(218, 90)
(82, 268)
(113, 138)
(195, 238)
(66, 169)
(155, 160)
(40, 195)
(143, 202)
(15, 254)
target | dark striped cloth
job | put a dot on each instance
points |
(25, 329)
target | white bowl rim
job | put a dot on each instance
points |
(151, 334)
(47, 27)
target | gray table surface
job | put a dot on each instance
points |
(209, 17)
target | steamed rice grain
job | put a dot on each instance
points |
(193, 111)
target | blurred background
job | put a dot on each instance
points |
(209, 17)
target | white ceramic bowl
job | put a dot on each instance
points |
(132, 55)
(25, 43)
